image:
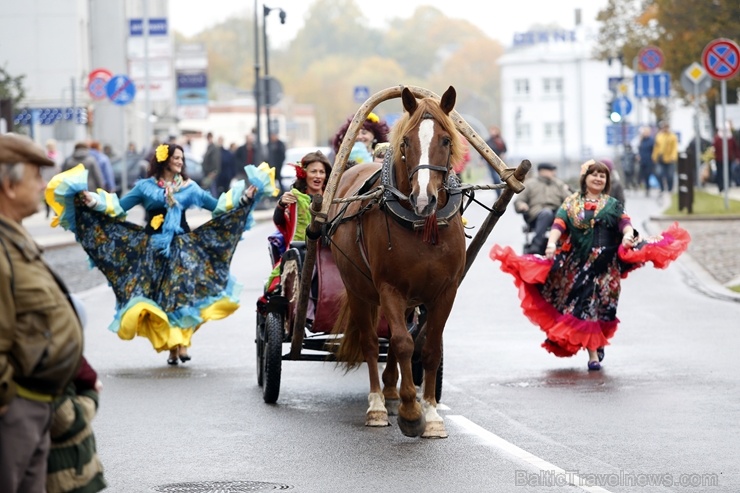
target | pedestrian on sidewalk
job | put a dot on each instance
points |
(665, 156)
(40, 335)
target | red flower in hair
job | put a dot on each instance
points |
(300, 173)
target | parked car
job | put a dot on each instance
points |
(294, 155)
(136, 167)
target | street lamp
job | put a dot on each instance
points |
(257, 92)
(265, 12)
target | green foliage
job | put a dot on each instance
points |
(705, 204)
(11, 87)
(681, 29)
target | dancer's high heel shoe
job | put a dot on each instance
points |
(172, 360)
(184, 356)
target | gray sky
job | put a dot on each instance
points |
(500, 19)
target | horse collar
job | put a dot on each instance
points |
(391, 204)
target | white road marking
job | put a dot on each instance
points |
(522, 454)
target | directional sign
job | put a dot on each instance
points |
(614, 83)
(361, 93)
(620, 134)
(721, 58)
(650, 58)
(622, 106)
(657, 85)
(120, 90)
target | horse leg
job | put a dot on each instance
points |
(410, 416)
(390, 382)
(365, 317)
(431, 356)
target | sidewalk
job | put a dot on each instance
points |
(712, 262)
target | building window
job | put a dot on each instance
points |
(521, 87)
(523, 131)
(553, 130)
(552, 85)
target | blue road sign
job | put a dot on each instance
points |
(620, 134)
(361, 93)
(622, 106)
(657, 85)
(120, 89)
(614, 83)
(651, 58)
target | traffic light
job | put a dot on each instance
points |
(613, 116)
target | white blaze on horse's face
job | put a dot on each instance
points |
(422, 191)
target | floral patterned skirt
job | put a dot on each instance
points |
(164, 298)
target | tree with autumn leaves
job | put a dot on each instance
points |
(680, 28)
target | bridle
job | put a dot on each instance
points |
(442, 169)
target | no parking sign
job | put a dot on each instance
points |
(721, 58)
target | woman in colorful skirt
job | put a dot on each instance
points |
(168, 280)
(572, 292)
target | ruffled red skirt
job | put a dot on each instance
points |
(566, 333)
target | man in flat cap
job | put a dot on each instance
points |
(539, 202)
(40, 334)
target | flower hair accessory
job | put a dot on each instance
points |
(161, 153)
(584, 166)
(373, 118)
(300, 172)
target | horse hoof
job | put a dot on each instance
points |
(412, 428)
(377, 419)
(435, 429)
(392, 406)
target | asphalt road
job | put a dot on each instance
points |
(663, 409)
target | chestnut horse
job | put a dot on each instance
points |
(390, 267)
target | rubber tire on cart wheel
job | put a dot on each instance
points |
(418, 373)
(272, 357)
(259, 342)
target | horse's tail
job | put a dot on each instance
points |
(349, 352)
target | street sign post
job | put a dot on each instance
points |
(121, 90)
(96, 82)
(656, 85)
(650, 58)
(361, 93)
(696, 81)
(721, 58)
(622, 106)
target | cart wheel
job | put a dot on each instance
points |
(259, 342)
(272, 357)
(418, 373)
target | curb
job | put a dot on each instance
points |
(692, 272)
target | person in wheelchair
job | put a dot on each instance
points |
(541, 198)
(292, 214)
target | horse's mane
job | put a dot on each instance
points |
(430, 106)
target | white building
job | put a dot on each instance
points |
(555, 97)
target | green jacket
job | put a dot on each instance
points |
(40, 335)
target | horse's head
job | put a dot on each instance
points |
(425, 142)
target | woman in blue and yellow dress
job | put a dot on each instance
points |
(167, 279)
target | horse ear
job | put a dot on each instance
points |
(448, 100)
(409, 101)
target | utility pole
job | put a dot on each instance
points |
(257, 91)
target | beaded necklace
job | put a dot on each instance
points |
(170, 189)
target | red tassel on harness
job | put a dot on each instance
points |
(431, 231)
